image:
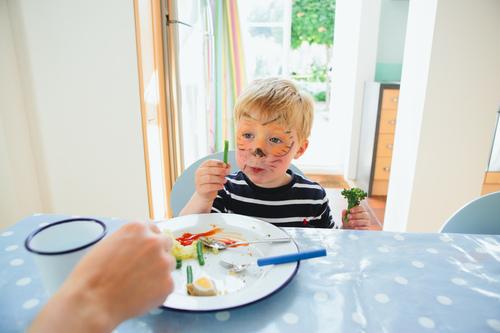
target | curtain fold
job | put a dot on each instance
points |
(229, 72)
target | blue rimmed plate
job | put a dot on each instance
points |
(234, 290)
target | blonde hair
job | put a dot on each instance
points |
(273, 98)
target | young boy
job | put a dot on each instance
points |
(274, 120)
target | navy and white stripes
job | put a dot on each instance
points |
(300, 203)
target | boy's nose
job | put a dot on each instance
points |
(258, 153)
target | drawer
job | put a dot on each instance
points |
(382, 168)
(387, 121)
(492, 177)
(379, 187)
(390, 98)
(384, 145)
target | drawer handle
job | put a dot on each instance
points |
(389, 146)
(386, 169)
(392, 122)
(395, 99)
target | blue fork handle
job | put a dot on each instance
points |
(291, 257)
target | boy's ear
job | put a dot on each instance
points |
(302, 149)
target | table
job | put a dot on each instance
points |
(371, 281)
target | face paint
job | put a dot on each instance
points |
(264, 139)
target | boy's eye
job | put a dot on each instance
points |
(247, 135)
(276, 140)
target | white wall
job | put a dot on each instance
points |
(354, 59)
(450, 91)
(19, 190)
(78, 71)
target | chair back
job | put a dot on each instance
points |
(480, 216)
(184, 186)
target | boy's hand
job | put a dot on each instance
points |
(210, 178)
(358, 218)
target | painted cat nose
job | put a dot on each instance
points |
(258, 153)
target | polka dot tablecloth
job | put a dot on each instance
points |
(369, 282)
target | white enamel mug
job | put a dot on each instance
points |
(59, 246)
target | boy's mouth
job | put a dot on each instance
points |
(255, 169)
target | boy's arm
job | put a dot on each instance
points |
(197, 205)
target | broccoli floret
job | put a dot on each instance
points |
(354, 197)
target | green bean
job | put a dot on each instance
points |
(189, 272)
(178, 263)
(199, 252)
(226, 148)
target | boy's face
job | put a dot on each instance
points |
(265, 149)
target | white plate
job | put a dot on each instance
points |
(237, 289)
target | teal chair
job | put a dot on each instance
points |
(184, 186)
(480, 216)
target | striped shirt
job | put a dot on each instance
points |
(300, 203)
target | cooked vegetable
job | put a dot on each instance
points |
(199, 252)
(178, 263)
(226, 149)
(179, 251)
(354, 197)
(189, 272)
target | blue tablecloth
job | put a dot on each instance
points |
(370, 282)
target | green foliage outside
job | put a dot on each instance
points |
(313, 22)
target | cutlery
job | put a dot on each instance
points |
(276, 260)
(219, 245)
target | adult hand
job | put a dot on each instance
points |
(358, 218)
(123, 276)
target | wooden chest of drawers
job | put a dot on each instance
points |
(377, 137)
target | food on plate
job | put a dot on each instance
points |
(199, 253)
(203, 286)
(189, 246)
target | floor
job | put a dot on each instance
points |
(334, 184)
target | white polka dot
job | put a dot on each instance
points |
(16, 262)
(7, 233)
(382, 298)
(23, 282)
(43, 224)
(358, 318)
(432, 250)
(494, 324)
(30, 304)
(11, 248)
(383, 249)
(444, 300)
(426, 322)
(401, 280)
(458, 281)
(418, 264)
(445, 238)
(290, 318)
(320, 296)
(155, 312)
(353, 237)
(223, 315)
(398, 237)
